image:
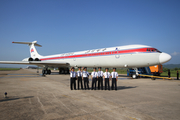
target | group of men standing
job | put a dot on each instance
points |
(96, 77)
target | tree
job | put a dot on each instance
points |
(176, 68)
(165, 69)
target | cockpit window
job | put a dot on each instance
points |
(158, 51)
(153, 50)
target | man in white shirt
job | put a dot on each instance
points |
(100, 79)
(107, 76)
(73, 78)
(114, 75)
(79, 74)
(94, 77)
(86, 78)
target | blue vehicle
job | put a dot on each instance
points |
(134, 72)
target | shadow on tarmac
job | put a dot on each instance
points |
(15, 98)
(124, 87)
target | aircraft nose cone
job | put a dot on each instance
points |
(164, 57)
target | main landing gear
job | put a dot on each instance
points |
(46, 71)
(63, 70)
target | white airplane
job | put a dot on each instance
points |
(130, 56)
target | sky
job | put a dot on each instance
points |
(62, 26)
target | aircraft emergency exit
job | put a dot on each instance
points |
(129, 56)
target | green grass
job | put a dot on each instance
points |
(120, 71)
(124, 71)
(173, 73)
(8, 69)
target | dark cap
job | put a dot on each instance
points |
(114, 68)
(99, 67)
(85, 67)
(72, 68)
(79, 67)
(107, 68)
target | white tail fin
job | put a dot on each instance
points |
(33, 51)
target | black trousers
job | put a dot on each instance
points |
(169, 74)
(107, 83)
(86, 83)
(177, 76)
(94, 83)
(73, 82)
(80, 82)
(100, 83)
(114, 84)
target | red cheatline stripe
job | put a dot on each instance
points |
(98, 54)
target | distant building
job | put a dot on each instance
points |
(31, 67)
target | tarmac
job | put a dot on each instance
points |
(33, 97)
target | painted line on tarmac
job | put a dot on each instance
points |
(92, 114)
(63, 104)
(42, 106)
(29, 100)
(133, 118)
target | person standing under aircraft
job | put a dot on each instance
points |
(114, 75)
(73, 78)
(107, 76)
(85, 78)
(79, 74)
(177, 75)
(94, 76)
(169, 73)
(100, 79)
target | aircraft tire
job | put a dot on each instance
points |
(60, 71)
(134, 76)
(43, 72)
(49, 72)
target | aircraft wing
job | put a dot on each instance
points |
(38, 63)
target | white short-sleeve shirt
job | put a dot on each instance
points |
(73, 74)
(94, 74)
(107, 74)
(114, 74)
(79, 73)
(100, 73)
(85, 74)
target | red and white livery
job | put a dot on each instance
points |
(130, 56)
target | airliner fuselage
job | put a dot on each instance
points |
(121, 56)
(129, 56)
